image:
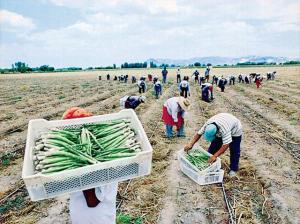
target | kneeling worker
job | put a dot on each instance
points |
(131, 102)
(223, 131)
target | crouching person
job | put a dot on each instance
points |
(184, 87)
(223, 131)
(222, 83)
(96, 205)
(173, 115)
(131, 102)
(207, 92)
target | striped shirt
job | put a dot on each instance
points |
(228, 126)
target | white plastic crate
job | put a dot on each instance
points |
(42, 186)
(210, 175)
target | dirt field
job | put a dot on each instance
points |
(266, 190)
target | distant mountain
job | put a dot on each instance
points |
(219, 60)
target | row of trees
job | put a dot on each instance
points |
(22, 67)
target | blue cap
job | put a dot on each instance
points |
(210, 132)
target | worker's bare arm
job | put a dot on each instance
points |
(190, 145)
(90, 197)
(218, 153)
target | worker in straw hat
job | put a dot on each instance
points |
(96, 205)
(223, 131)
(173, 115)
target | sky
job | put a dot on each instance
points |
(63, 33)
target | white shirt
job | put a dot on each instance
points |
(140, 82)
(184, 84)
(229, 126)
(103, 213)
(173, 108)
(206, 84)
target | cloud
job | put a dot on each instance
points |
(115, 31)
(11, 21)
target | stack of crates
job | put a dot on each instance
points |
(212, 174)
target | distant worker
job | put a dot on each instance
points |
(115, 78)
(202, 80)
(184, 88)
(149, 77)
(207, 92)
(222, 83)
(247, 79)
(173, 115)
(273, 75)
(223, 131)
(96, 205)
(207, 73)
(108, 77)
(99, 77)
(164, 74)
(178, 75)
(231, 80)
(215, 80)
(258, 81)
(157, 89)
(131, 102)
(155, 79)
(133, 79)
(241, 78)
(142, 85)
(196, 74)
(126, 78)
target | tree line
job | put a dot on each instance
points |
(22, 67)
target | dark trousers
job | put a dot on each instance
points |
(142, 89)
(184, 92)
(235, 150)
(157, 93)
(178, 78)
(205, 94)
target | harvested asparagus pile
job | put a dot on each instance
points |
(198, 159)
(59, 150)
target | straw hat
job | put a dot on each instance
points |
(184, 103)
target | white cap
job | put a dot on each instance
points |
(142, 98)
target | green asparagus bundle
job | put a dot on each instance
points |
(58, 150)
(198, 159)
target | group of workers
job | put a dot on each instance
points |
(223, 131)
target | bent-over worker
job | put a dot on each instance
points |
(207, 92)
(173, 115)
(184, 88)
(223, 131)
(157, 89)
(131, 102)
